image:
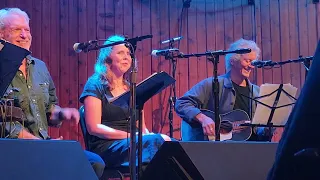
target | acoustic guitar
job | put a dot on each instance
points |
(230, 127)
(13, 112)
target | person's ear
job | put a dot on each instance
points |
(232, 62)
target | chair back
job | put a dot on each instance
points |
(84, 127)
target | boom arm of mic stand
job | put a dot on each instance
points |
(215, 88)
(96, 47)
(213, 53)
(301, 59)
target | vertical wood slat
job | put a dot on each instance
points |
(228, 24)
(312, 27)
(283, 30)
(109, 16)
(119, 17)
(54, 52)
(36, 19)
(201, 37)
(3, 4)
(258, 38)
(146, 58)
(192, 45)
(275, 39)
(164, 66)
(278, 24)
(92, 33)
(46, 39)
(285, 39)
(155, 30)
(220, 28)
(210, 31)
(174, 20)
(73, 62)
(238, 17)
(127, 18)
(294, 44)
(303, 34)
(137, 26)
(83, 57)
(64, 64)
(266, 39)
(248, 29)
(182, 64)
(101, 20)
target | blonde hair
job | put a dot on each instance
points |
(104, 61)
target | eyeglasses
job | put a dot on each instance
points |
(18, 31)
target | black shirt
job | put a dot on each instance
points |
(112, 116)
(242, 102)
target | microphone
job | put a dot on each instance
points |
(78, 47)
(138, 38)
(172, 40)
(258, 63)
(241, 51)
(163, 52)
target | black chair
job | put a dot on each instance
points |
(110, 172)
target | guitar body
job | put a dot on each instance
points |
(13, 112)
(230, 128)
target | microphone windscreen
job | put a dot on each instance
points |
(75, 47)
(154, 52)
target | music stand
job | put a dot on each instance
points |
(11, 57)
(145, 90)
(273, 108)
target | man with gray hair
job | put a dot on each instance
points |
(234, 88)
(33, 89)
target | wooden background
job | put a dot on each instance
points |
(284, 29)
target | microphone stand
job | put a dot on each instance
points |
(215, 88)
(133, 105)
(133, 117)
(132, 45)
(133, 110)
(213, 56)
(306, 63)
(172, 99)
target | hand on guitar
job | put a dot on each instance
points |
(207, 124)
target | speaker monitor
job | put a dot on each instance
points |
(211, 161)
(43, 159)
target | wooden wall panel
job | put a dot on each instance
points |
(64, 59)
(54, 66)
(83, 57)
(179, 24)
(162, 119)
(146, 61)
(284, 29)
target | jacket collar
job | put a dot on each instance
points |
(228, 82)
